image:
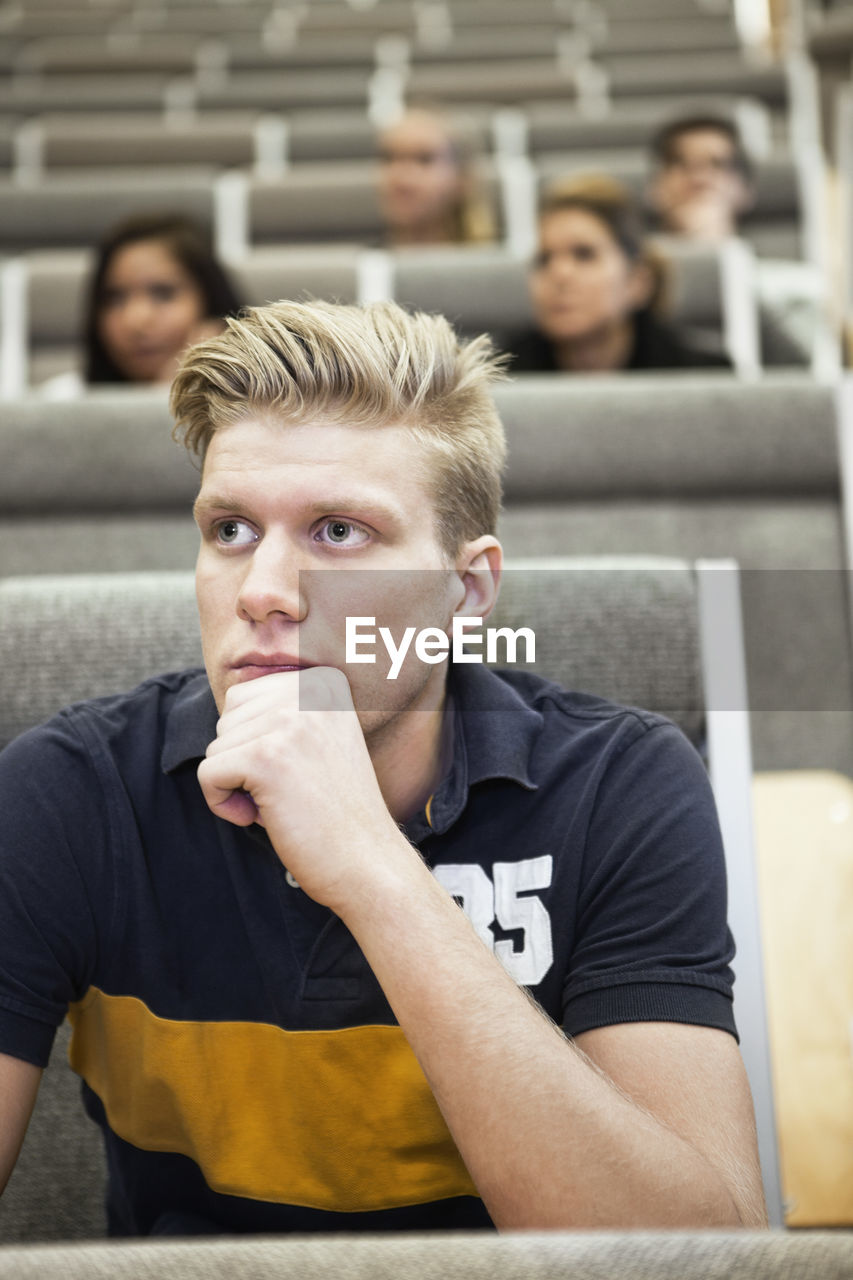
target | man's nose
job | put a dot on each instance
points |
(271, 584)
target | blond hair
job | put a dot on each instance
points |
(369, 366)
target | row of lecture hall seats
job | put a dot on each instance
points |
(601, 468)
(712, 296)
(313, 177)
(239, 132)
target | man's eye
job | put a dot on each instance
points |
(342, 533)
(234, 533)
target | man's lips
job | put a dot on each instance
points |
(254, 665)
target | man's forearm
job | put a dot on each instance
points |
(548, 1140)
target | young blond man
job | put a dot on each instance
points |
(245, 882)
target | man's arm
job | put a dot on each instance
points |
(653, 1128)
(665, 1139)
(19, 1082)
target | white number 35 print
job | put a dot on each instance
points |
(484, 901)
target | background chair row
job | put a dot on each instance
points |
(713, 294)
(274, 200)
(595, 468)
(270, 142)
(207, 77)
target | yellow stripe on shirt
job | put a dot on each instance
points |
(342, 1120)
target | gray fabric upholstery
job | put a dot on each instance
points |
(277, 91)
(315, 202)
(105, 543)
(56, 296)
(250, 51)
(143, 91)
(331, 135)
(329, 272)
(627, 632)
(624, 630)
(139, 140)
(710, 32)
(668, 436)
(111, 451)
(69, 637)
(57, 1189)
(61, 211)
(323, 201)
(745, 1255)
(81, 53)
(505, 81)
(628, 125)
(477, 289)
(597, 466)
(636, 74)
(613, 467)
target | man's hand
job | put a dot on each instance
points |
(305, 775)
(701, 217)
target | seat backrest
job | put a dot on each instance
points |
(456, 1255)
(706, 466)
(60, 210)
(330, 272)
(478, 289)
(94, 484)
(626, 628)
(620, 627)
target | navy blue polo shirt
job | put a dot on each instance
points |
(234, 1044)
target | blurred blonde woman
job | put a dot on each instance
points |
(428, 187)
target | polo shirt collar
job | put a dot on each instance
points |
(493, 736)
(191, 724)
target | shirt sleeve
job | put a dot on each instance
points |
(52, 847)
(652, 943)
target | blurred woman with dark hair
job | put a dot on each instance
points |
(156, 288)
(594, 286)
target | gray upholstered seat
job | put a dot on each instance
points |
(61, 211)
(701, 465)
(633, 1255)
(320, 201)
(498, 81)
(133, 139)
(95, 483)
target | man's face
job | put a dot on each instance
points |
(699, 185)
(351, 505)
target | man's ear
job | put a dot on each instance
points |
(478, 565)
